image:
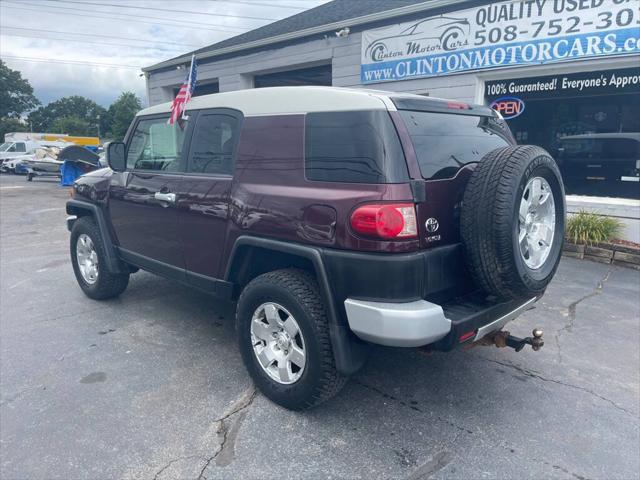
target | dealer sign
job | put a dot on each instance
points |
(502, 34)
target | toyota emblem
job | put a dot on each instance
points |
(432, 225)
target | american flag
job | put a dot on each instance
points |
(185, 93)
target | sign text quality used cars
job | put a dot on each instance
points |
(501, 35)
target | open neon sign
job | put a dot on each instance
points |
(509, 107)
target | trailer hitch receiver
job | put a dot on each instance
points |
(505, 339)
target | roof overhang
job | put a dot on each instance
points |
(350, 22)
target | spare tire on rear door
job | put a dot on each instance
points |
(512, 221)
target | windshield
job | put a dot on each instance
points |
(5, 146)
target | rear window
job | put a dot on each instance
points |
(353, 147)
(445, 142)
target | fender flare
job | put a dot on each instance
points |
(348, 354)
(79, 208)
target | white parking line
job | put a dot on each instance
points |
(11, 186)
(18, 284)
(44, 210)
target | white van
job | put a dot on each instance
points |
(18, 147)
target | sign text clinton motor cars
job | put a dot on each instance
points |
(501, 35)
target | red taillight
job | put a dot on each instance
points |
(385, 221)
(466, 336)
(458, 106)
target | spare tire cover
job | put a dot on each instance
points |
(512, 221)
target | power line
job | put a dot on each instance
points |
(170, 10)
(260, 4)
(92, 14)
(87, 41)
(97, 35)
(71, 62)
(178, 23)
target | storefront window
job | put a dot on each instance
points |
(588, 121)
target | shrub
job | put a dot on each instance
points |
(588, 228)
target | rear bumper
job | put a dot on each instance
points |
(418, 323)
(409, 324)
(501, 321)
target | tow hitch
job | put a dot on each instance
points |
(505, 339)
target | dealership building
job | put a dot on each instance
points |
(553, 68)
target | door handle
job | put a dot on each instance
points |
(165, 197)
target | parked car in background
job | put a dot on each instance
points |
(24, 145)
(336, 218)
(92, 143)
(12, 149)
(14, 162)
(601, 163)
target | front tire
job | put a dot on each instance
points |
(283, 336)
(89, 262)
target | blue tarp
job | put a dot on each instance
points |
(77, 161)
(69, 172)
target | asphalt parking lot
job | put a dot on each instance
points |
(151, 385)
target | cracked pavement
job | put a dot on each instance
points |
(151, 385)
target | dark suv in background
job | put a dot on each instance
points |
(336, 218)
(606, 164)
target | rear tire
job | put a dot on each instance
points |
(296, 293)
(98, 284)
(492, 222)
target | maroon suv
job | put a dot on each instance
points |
(336, 218)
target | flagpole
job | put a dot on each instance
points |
(193, 58)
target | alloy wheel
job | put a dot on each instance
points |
(537, 222)
(87, 258)
(278, 343)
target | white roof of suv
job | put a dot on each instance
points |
(288, 100)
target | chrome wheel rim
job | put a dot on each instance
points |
(87, 258)
(537, 222)
(278, 343)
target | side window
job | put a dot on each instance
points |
(212, 145)
(21, 147)
(353, 147)
(155, 145)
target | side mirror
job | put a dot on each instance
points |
(116, 156)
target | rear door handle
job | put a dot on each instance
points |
(165, 197)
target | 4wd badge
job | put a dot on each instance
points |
(431, 225)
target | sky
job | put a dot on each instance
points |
(96, 48)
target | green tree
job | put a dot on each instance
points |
(16, 98)
(16, 94)
(11, 125)
(73, 126)
(44, 118)
(121, 113)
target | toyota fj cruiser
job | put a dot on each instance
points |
(335, 218)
